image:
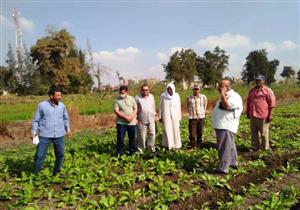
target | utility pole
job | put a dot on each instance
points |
(20, 71)
(19, 44)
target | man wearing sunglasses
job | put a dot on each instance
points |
(146, 118)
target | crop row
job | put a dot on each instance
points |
(95, 177)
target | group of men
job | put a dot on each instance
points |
(137, 116)
(226, 116)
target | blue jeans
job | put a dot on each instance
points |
(121, 130)
(41, 152)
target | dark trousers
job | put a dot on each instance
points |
(196, 131)
(131, 132)
(41, 152)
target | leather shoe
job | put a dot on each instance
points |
(219, 171)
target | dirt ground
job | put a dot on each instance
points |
(16, 133)
(19, 132)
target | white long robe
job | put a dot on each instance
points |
(170, 113)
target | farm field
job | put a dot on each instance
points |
(95, 178)
(14, 108)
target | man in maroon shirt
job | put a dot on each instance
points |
(260, 105)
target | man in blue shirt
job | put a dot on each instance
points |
(50, 124)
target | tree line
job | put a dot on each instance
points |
(55, 60)
(185, 65)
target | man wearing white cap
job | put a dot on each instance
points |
(197, 104)
(170, 116)
(260, 104)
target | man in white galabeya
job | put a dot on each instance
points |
(170, 116)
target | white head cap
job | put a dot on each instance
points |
(172, 86)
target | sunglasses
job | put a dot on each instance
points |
(145, 89)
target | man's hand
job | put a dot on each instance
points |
(129, 118)
(270, 116)
(135, 121)
(32, 136)
(122, 115)
(248, 115)
(35, 139)
(160, 120)
(223, 91)
(69, 135)
(269, 119)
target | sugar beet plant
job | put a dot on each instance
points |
(94, 177)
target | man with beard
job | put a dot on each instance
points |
(50, 124)
(170, 116)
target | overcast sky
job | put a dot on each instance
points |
(137, 37)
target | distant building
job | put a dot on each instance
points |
(238, 80)
(106, 88)
(133, 82)
(125, 82)
(151, 81)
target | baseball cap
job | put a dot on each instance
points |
(196, 87)
(260, 77)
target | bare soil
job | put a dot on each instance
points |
(15, 133)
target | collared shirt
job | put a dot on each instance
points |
(51, 121)
(228, 120)
(127, 106)
(197, 106)
(260, 101)
(146, 108)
